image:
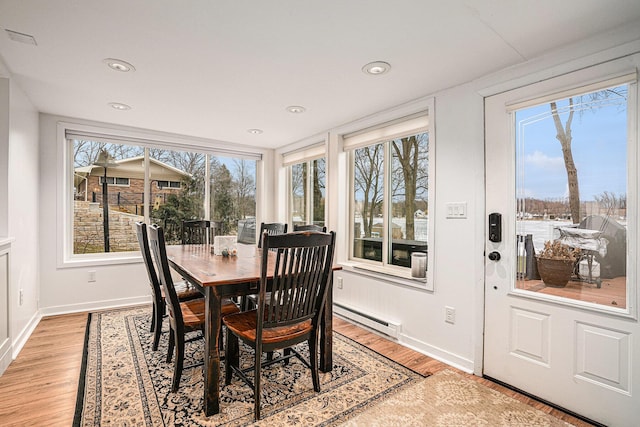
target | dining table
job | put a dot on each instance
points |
(218, 277)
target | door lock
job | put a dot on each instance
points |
(494, 256)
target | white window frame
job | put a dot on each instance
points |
(64, 206)
(309, 198)
(355, 136)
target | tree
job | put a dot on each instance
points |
(590, 101)
(411, 154)
(186, 205)
(611, 202)
(245, 188)
(319, 183)
(368, 176)
(222, 200)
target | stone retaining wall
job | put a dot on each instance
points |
(88, 233)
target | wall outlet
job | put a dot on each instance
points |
(92, 276)
(21, 296)
(339, 282)
(450, 315)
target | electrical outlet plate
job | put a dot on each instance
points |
(92, 275)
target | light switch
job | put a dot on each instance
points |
(456, 210)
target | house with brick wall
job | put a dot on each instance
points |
(126, 183)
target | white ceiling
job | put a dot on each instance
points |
(213, 69)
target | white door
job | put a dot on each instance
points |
(576, 345)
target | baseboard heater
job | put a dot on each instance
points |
(385, 326)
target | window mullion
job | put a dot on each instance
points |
(386, 204)
(309, 201)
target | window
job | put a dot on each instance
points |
(115, 181)
(307, 185)
(168, 184)
(571, 190)
(389, 214)
(307, 197)
(164, 185)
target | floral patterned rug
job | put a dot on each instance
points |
(124, 382)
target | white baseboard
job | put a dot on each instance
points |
(5, 356)
(94, 305)
(24, 335)
(443, 356)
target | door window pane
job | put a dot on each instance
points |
(571, 192)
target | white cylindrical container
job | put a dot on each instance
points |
(583, 269)
(419, 265)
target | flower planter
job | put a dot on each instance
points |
(555, 272)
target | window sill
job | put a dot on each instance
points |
(96, 260)
(400, 276)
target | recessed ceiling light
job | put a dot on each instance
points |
(119, 106)
(21, 37)
(254, 131)
(376, 68)
(296, 109)
(119, 65)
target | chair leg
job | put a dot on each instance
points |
(172, 343)
(156, 325)
(179, 362)
(153, 317)
(256, 382)
(313, 360)
(231, 356)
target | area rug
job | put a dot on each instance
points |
(124, 382)
(448, 399)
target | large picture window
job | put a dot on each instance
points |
(390, 202)
(149, 182)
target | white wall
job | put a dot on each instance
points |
(457, 267)
(23, 210)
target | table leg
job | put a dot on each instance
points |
(326, 333)
(211, 353)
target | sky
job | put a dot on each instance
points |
(599, 148)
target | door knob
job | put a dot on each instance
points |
(494, 256)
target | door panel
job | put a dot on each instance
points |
(576, 345)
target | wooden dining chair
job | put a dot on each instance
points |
(184, 290)
(291, 312)
(309, 227)
(184, 317)
(272, 228)
(196, 232)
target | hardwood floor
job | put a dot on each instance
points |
(39, 387)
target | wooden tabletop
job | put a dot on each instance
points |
(200, 265)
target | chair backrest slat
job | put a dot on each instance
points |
(301, 277)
